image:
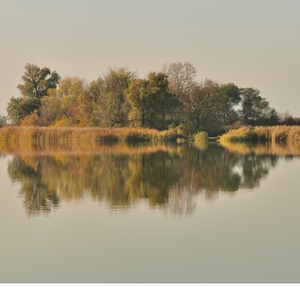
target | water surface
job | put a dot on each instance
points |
(154, 213)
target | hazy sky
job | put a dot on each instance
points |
(253, 43)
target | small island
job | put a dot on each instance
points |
(168, 105)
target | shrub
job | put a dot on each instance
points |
(201, 137)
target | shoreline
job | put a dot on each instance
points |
(89, 134)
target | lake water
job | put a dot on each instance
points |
(175, 213)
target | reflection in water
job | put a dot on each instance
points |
(288, 149)
(166, 176)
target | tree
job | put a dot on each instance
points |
(255, 109)
(90, 102)
(180, 76)
(105, 103)
(18, 108)
(37, 81)
(3, 120)
(180, 83)
(231, 98)
(201, 108)
(287, 119)
(114, 106)
(50, 110)
(149, 99)
(70, 91)
(36, 84)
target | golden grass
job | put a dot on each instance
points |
(71, 134)
(278, 134)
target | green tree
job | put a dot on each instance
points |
(105, 103)
(18, 108)
(231, 98)
(255, 109)
(37, 81)
(36, 84)
(287, 119)
(3, 120)
(150, 100)
(114, 105)
(90, 102)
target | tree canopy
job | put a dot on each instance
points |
(36, 84)
(37, 81)
(149, 100)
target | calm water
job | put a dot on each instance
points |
(150, 213)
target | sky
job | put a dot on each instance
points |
(251, 43)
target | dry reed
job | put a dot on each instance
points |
(71, 134)
(278, 134)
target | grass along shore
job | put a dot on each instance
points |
(92, 134)
(277, 134)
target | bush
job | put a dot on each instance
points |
(201, 137)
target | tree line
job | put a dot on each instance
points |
(169, 98)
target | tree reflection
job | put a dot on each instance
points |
(38, 197)
(256, 167)
(209, 171)
(152, 176)
(166, 177)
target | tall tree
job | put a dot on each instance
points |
(90, 102)
(180, 83)
(114, 106)
(36, 84)
(255, 109)
(37, 81)
(149, 99)
(105, 104)
(202, 107)
(231, 98)
(70, 91)
(180, 76)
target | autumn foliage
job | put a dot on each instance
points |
(169, 98)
